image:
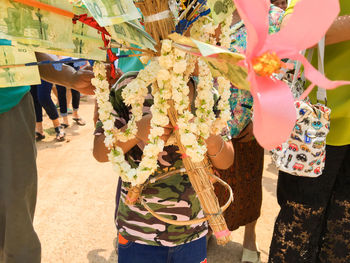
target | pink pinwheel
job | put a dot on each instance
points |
(274, 111)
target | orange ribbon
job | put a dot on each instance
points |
(46, 7)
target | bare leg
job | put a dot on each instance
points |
(56, 123)
(249, 241)
(75, 114)
(69, 97)
(39, 127)
(60, 134)
(65, 120)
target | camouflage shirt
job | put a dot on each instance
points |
(172, 197)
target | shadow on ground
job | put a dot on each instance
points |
(270, 185)
(72, 131)
(230, 253)
(94, 257)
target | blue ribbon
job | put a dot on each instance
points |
(184, 24)
(58, 63)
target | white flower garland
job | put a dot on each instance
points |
(194, 146)
(224, 106)
(204, 29)
(224, 84)
(134, 95)
(116, 156)
(205, 117)
(225, 36)
(205, 100)
(171, 71)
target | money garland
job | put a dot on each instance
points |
(76, 2)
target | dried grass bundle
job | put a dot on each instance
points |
(159, 28)
(199, 175)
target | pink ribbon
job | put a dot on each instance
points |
(223, 233)
(131, 200)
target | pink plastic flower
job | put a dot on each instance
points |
(274, 110)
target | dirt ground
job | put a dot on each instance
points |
(75, 207)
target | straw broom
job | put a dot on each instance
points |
(199, 173)
(158, 29)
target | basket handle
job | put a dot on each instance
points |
(193, 221)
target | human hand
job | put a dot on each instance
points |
(118, 73)
(168, 130)
(111, 81)
(81, 81)
(220, 152)
(246, 135)
(144, 126)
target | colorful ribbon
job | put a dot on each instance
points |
(46, 7)
(221, 234)
(184, 24)
(90, 21)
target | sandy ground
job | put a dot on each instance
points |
(75, 208)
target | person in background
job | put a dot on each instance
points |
(42, 99)
(63, 101)
(313, 224)
(245, 175)
(18, 173)
(280, 3)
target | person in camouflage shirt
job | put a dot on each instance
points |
(172, 197)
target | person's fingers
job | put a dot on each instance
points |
(167, 131)
(90, 68)
(169, 126)
(244, 133)
(165, 138)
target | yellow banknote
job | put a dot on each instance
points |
(19, 76)
(132, 32)
(48, 32)
(33, 26)
(220, 9)
(110, 12)
(221, 62)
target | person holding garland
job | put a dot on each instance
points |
(245, 175)
(142, 237)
